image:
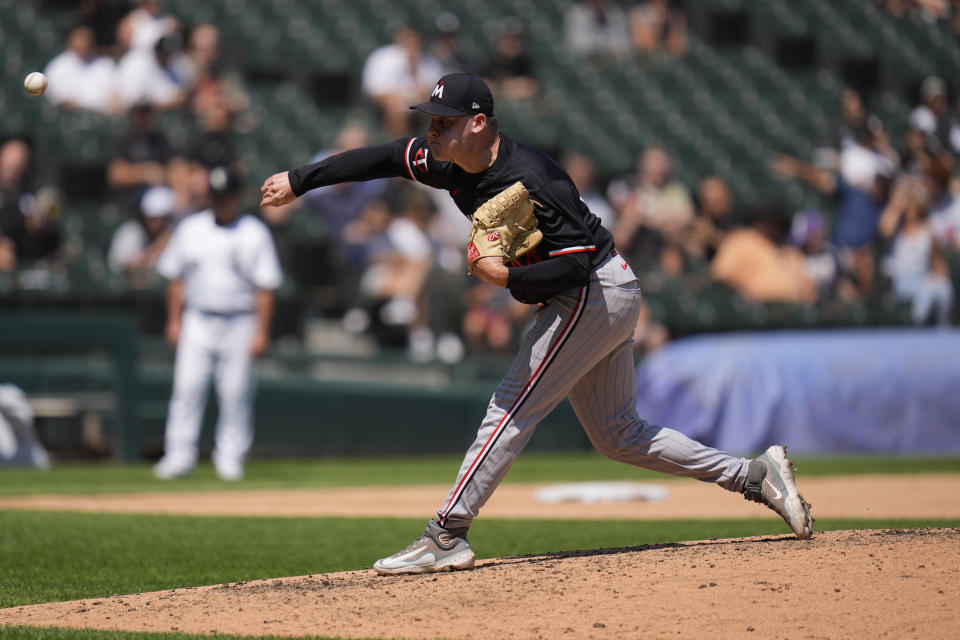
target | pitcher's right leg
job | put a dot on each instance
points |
(604, 401)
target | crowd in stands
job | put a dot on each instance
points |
(895, 227)
(604, 31)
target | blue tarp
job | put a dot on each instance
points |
(841, 391)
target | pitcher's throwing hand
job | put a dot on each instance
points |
(276, 191)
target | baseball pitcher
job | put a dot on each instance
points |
(534, 235)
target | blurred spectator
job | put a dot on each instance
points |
(933, 117)
(582, 172)
(853, 118)
(659, 25)
(140, 155)
(918, 152)
(28, 221)
(137, 243)
(509, 71)
(102, 17)
(80, 78)
(712, 220)
(810, 234)
(860, 187)
(929, 10)
(493, 320)
(448, 231)
(397, 256)
(338, 204)
(213, 146)
(144, 26)
(944, 206)
(754, 261)
(915, 266)
(597, 29)
(398, 75)
(210, 78)
(156, 75)
(446, 46)
(654, 213)
(8, 254)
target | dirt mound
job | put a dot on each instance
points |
(849, 584)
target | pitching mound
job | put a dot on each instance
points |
(850, 584)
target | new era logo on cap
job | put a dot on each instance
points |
(458, 94)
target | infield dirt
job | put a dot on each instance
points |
(841, 584)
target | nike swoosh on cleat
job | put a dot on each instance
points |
(409, 555)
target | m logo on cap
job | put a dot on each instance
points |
(437, 91)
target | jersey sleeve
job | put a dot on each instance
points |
(265, 267)
(422, 167)
(407, 158)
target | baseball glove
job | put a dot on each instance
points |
(504, 226)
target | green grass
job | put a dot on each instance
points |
(47, 556)
(287, 474)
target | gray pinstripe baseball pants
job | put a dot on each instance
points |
(580, 346)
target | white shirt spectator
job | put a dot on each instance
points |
(222, 267)
(588, 35)
(131, 238)
(599, 207)
(945, 222)
(128, 240)
(409, 240)
(141, 78)
(146, 28)
(388, 71)
(87, 84)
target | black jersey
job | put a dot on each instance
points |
(574, 242)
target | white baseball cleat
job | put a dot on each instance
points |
(770, 481)
(168, 469)
(436, 550)
(229, 472)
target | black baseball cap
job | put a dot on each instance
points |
(458, 94)
(224, 181)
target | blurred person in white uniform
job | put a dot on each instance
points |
(223, 270)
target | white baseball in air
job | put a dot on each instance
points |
(35, 83)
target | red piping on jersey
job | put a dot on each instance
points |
(406, 159)
(551, 354)
(562, 252)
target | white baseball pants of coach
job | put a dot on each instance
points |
(580, 346)
(219, 345)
